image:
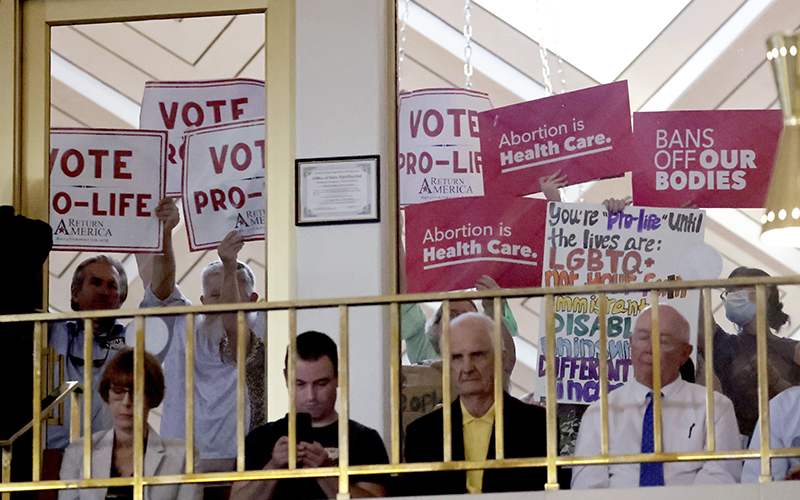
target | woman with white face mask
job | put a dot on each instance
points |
(735, 354)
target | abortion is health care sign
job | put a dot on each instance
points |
(439, 152)
(586, 245)
(223, 183)
(177, 106)
(712, 158)
(450, 244)
(585, 134)
(104, 189)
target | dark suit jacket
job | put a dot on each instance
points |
(525, 436)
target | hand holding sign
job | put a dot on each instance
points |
(229, 248)
(223, 183)
(167, 212)
(550, 184)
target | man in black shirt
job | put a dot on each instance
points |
(267, 447)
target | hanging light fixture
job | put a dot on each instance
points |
(781, 221)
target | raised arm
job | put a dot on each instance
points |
(551, 184)
(228, 251)
(163, 282)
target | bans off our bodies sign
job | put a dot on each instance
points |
(450, 244)
(585, 134)
(585, 245)
(178, 106)
(223, 183)
(439, 151)
(711, 158)
(104, 188)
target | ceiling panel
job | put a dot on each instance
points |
(186, 38)
(99, 62)
(674, 46)
(746, 53)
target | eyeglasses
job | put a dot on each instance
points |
(117, 393)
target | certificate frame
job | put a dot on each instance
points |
(337, 190)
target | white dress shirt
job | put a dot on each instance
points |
(684, 429)
(214, 383)
(784, 431)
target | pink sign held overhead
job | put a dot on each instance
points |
(450, 244)
(586, 134)
(720, 159)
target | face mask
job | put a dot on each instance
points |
(739, 308)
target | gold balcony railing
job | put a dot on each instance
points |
(344, 470)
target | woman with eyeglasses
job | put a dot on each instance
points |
(735, 361)
(112, 450)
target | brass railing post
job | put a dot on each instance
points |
(552, 392)
(344, 404)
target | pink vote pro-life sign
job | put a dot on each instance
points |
(720, 159)
(223, 183)
(178, 106)
(585, 134)
(450, 244)
(104, 188)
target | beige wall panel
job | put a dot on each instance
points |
(82, 109)
(226, 55)
(758, 91)
(746, 53)
(187, 38)
(234, 48)
(96, 60)
(255, 68)
(674, 46)
(422, 76)
(450, 68)
(138, 51)
(60, 119)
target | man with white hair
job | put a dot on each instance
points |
(683, 410)
(472, 372)
(226, 281)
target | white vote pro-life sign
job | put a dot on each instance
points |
(179, 106)
(104, 188)
(223, 183)
(439, 148)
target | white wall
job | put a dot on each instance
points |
(341, 111)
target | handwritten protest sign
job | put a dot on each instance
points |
(712, 158)
(450, 244)
(178, 106)
(439, 149)
(585, 134)
(585, 244)
(104, 188)
(223, 183)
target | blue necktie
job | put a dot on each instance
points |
(650, 473)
